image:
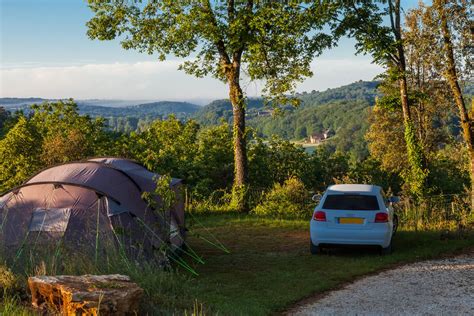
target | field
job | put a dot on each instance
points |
(268, 269)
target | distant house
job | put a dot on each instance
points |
(317, 138)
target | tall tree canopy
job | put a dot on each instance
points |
(455, 41)
(365, 20)
(52, 133)
(270, 41)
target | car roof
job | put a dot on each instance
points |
(355, 188)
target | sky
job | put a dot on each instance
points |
(45, 52)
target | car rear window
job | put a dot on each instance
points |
(352, 202)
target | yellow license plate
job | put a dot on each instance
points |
(351, 220)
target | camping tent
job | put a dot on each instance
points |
(89, 205)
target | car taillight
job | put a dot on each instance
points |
(319, 216)
(381, 217)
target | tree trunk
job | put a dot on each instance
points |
(417, 174)
(404, 95)
(240, 189)
(452, 78)
(471, 154)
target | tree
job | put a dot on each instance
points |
(364, 21)
(19, 152)
(4, 115)
(272, 41)
(431, 104)
(214, 160)
(53, 133)
(457, 25)
(66, 135)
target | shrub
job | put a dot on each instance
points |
(290, 200)
(9, 282)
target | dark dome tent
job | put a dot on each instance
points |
(90, 206)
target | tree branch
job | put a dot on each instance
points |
(238, 53)
(392, 22)
(231, 10)
(220, 41)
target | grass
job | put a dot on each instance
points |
(268, 269)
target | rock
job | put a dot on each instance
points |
(86, 294)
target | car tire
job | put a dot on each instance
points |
(387, 250)
(315, 250)
(395, 224)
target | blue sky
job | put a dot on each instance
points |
(45, 52)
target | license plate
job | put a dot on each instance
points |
(351, 220)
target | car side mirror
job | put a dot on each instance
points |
(316, 197)
(394, 199)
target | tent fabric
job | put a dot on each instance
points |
(80, 201)
(50, 220)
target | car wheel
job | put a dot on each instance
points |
(315, 250)
(387, 250)
(395, 224)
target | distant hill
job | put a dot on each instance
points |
(343, 109)
(360, 90)
(154, 109)
(217, 110)
(18, 103)
(121, 119)
(110, 107)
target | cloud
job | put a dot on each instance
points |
(156, 80)
(141, 80)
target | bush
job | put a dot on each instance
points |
(9, 282)
(290, 200)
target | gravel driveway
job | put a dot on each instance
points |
(437, 287)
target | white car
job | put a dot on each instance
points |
(353, 214)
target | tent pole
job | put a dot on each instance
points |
(99, 199)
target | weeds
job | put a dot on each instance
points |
(441, 212)
(266, 268)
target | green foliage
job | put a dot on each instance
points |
(66, 134)
(343, 110)
(449, 170)
(288, 200)
(216, 32)
(239, 201)
(260, 242)
(416, 176)
(214, 162)
(54, 133)
(162, 199)
(137, 117)
(325, 168)
(166, 147)
(364, 21)
(19, 154)
(4, 115)
(273, 42)
(9, 282)
(217, 111)
(275, 161)
(369, 171)
(12, 305)
(203, 157)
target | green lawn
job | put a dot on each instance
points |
(268, 269)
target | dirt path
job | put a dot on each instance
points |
(437, 287)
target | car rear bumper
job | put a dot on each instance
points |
(322, 234)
